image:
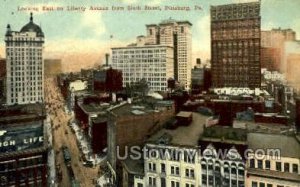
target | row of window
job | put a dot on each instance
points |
(139, 51)
(23, 100)
(287, 167)
(262, 184)
(17, 43)
(173, 154)
(175, 170)
(153, 183)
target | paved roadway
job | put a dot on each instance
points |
(62, 135)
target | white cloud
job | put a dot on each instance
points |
(268, 25)
(80, 53)
(94, 22)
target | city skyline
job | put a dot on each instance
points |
(87, 36)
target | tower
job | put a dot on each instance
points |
(235, 45)
(176, 34)
(25, 66)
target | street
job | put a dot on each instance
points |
(62, 136)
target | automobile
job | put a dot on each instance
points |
(88, 164)
(66, 154)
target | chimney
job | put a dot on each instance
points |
(106, 59)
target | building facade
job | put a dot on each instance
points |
(23, 146)
(235, 45)
(154, 63)
(2, 79)
(178, 35)
(272, 48)
(25, 66)
(275, 165)
(275, 38)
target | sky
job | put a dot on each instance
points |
(81, 39)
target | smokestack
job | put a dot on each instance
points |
(198, 61)
(106, 59)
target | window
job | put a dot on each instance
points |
(286, 167)
(175, 170)
(189, 173)
(233, 183)
(189, 156)
(254, 184)
(278, 166)
(261, 184)
(162, 182)
(152, 167)
(259, 164)
(295, 168)
(189, 185)
(175, 184)
(140, 185)
(267, 164)
(269, 185)
(241, 172)
(204, 179)
(163, 168)
(152, 181)
(252, 163)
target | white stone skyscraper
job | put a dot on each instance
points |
(25, 66)
(177, 34)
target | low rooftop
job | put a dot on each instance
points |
(140, 107)
(287, 144)
(134, 166)
(225, 134)
(15, 113)
(95, 108)
(252, 126)
(274, 174)
(182, 135)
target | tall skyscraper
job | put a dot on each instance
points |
(235, 45)
(25, 66)
(273, 48)
(154, 63)
(178, 35)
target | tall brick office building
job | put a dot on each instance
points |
(235, 45)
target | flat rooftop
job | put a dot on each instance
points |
(288, 145)
(94, 108)
(225, 134)
(134, 166)
(140, 107)
(183, 135)
(15, 113)
(184, 114)
(274, 174)
(252, 126)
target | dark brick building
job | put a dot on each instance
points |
(235, 45)
(23, 146)
(2, 77)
